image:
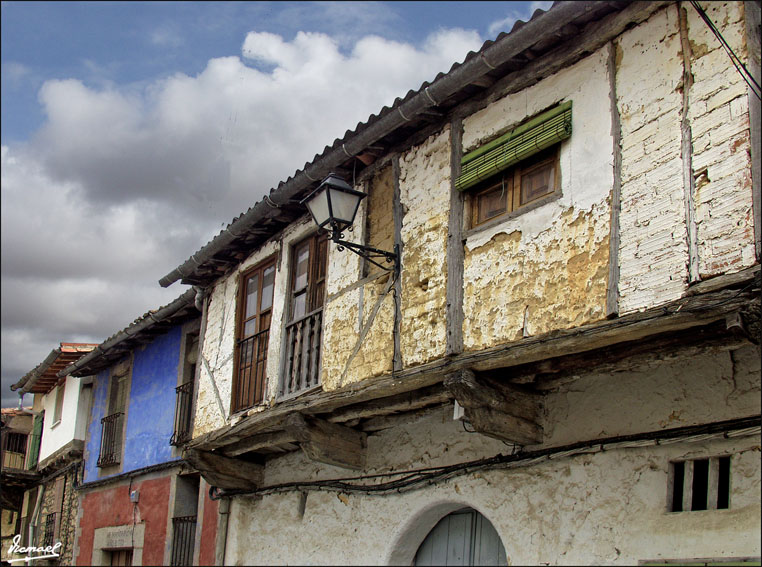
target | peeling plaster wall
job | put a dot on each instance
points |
(653, 249)
(608, 507)
(548, 264)
(425, 194)
(719, 118)
(654, 234)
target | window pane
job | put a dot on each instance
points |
(300, 305)
(302, 267)
(493, 202)
(252, 289)
(700, 484)
(268, 278)
(537, 182)
(250, 328)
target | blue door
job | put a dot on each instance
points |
(464, 537)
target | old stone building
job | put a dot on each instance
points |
(49, 507)
(560, 362)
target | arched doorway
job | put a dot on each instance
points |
(464, 537)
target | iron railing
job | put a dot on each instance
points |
(111, 440)
(303, 338)
(183, 540)
(252, 362)
(183, 416)
(50, 529)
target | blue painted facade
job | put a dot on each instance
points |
(151, 407)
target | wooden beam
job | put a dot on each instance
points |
(497, 410)
(258, 442)
(327, 442)
(626, 356)
(224, 472)
(679, 315)
(407, 401)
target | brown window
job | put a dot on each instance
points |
(112, 426)
(255, 312)
(303, 332)
(516, 187)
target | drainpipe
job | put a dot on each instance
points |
(36, 515)
(222, 532)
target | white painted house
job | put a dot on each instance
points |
(565, 368)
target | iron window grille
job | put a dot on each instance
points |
(183, 540)
(111, 440)
(183, 416)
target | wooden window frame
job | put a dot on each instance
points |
(301, 354)
(315, 280)
(255, 392)
(509, 180)
(715, 486)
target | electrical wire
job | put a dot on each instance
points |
(420, 478)
(737, 63)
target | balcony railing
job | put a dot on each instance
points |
(183, 415)
(183, 540)
(50, 530)
(252, 363)
(303, 337)
(13, 450)
(111, 440)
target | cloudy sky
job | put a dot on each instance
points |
(132, 132)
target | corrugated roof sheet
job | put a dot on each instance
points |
(580, 7)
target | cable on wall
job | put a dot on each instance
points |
(420, 478)
(737, 63)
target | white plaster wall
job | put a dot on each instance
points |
(586, 157)
(55, 436)
(654, 234)
(608, 507)
(551, 269)
(719, 116)
(604, 508)
(653, 247)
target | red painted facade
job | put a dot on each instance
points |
(111, 506)
(208, 530)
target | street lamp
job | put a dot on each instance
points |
(333, 206)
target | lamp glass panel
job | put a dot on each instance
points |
(344, 205)
(318, 207)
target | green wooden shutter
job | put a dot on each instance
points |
(34, 449)
(542, 131)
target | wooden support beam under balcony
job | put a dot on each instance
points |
(224, 472)
(328, 442)
(497, 409)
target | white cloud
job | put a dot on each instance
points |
(506, 24)
(122, 184)
(15, 73)
(166, 37)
